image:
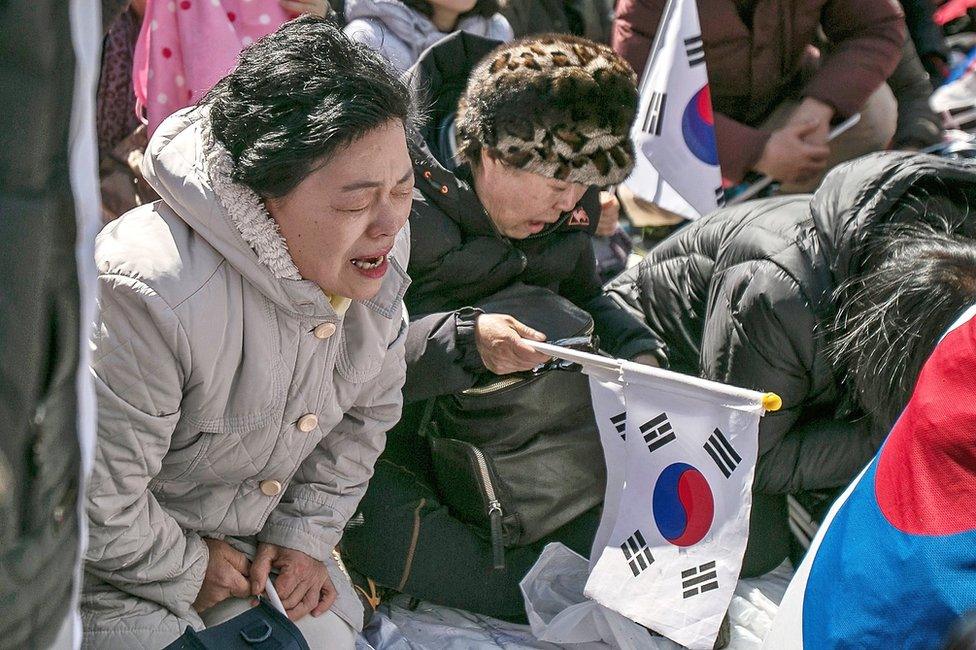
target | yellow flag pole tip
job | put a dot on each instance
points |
(772, 402)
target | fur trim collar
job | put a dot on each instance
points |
(247, 211)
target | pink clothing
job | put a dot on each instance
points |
(952, 10)
(186, 46)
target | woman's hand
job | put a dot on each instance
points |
(227, 572)
(303, 583)
(789, 158)
(609, 214)
(647, 359)
(499, 340)
(299, 7)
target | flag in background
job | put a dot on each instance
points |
(894, 563)
(679, 520)
(676, 164)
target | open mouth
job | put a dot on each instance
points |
(369, 263)
(372, 266)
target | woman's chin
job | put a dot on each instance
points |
(355, 288)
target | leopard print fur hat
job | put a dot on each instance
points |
(557, 105)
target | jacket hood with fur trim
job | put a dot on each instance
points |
(191, 173)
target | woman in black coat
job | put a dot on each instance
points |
(750, 296)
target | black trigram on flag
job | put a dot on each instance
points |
(720, 197)
(636, 553)
(619, 422)
(698, 580)
(657, 432)
(722, 452)
(695, 50)
(654, 120)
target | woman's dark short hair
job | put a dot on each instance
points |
(296, 97)
(484, 8)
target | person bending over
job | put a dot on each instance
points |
(756, 295)
(532, 130)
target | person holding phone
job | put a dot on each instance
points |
(776, 88)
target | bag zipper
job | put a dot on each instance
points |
(494, 511)
(496, 386)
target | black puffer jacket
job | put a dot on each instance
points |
(458, 258)
(742, 296)
(588, 18)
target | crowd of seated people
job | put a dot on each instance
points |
(330, 235)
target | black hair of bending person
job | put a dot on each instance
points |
(891, 317)
(296, 97)
(484, 8)
(962, 636)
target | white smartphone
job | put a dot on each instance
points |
(843, 126)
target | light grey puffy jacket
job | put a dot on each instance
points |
(401, 34)
(208, 365)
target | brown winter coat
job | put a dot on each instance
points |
(752, 69)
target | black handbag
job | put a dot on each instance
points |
(260, 628)
(519, 455)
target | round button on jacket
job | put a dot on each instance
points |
(324, 331)
(308, 422)
(270, 487)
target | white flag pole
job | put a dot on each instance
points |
(603, 365)
(669, 9)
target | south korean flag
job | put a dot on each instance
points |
(677, 164)
(679, 525)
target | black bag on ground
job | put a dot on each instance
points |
(520, 454)
(260, 628)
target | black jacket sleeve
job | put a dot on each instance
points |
(918, 125)
(621, 333)
(926, 35)
(441, 355)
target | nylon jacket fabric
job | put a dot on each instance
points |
(459, 258)
(401, 34)
(918, 125)
(752, 68)
(204, 362)
(927, 36)
(742, 296)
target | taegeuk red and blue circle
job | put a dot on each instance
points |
(698, 127)
(683, 505)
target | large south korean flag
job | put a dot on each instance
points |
(894, 562)
(681, 453)
(677, 164)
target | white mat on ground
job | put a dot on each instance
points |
(559, 611)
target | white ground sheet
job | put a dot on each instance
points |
(554, 590)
